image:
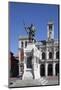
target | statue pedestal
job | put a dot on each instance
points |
(27, 75)
(34, 71)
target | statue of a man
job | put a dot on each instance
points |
(31, 32)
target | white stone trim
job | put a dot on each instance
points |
(46, 69)
(54, 68)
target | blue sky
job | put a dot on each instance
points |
(38, 14)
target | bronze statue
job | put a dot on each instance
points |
(31, 32)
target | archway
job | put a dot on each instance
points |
(57, 69)
(42, 70)
(50, 69)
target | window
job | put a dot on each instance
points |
(50, 69)
(57, 55)
(42, 70)
(50, 27)
(43, 55)
(25, 43)
(22, 44)
(57, 69)
(29, 62)
(50, 55)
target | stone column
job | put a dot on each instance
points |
(25, 62)
(47, 53)
(54, 54)
(35, 68)
(38, 71)
(40, 54)
(19, 62)
(46, 69)
(46, 64)
(54, 68)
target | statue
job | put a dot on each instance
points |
(31, 32)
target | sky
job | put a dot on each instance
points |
(37, 14)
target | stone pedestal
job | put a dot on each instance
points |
(34, 72)
(19, 63)
(27, 75)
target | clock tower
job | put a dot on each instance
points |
(50, 32)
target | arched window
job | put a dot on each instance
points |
(43, 56)
(50, 55)
(57, 55)
(50, 69)
(42, 70)
(57, 69)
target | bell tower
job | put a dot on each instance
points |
(50, 31)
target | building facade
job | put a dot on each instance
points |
(39, 58)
